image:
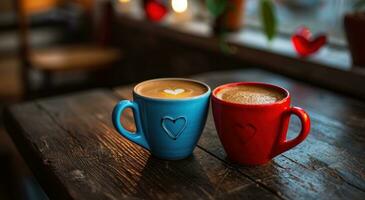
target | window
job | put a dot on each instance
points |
(319, 15)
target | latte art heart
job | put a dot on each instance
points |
(174, 92)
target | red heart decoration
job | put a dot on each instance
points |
(155, 11)
(305, 44)
(246, 132)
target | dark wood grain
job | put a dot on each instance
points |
(75, 153)
(71, 145)
(330, 164)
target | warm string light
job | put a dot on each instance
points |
(179, 6)
(124, 1)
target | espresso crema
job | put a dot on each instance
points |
(250, 94)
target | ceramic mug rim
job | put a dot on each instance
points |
(207, 93)
(233, 84)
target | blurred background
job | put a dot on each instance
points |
(52, 47)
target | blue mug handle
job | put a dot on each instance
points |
(138, 137)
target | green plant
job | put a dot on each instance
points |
(268, 18)
(359, 5)
(217, 7)
(267, 14)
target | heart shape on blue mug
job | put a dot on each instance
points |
(173, 126)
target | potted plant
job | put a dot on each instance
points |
(354, 24)
(228, 15)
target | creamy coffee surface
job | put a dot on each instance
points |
(170, 89)
(250, 94)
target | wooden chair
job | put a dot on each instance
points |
(77, 57)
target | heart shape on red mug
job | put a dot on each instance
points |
(154, 10)
(245, 132)
(305, 44)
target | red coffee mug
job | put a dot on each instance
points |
(254, 134)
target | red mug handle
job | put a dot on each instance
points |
(284, 145)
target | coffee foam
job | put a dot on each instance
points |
(250, 94)
(170, 89)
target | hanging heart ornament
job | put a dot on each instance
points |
(155, 11)
(305, 43)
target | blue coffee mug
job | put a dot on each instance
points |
(168, 128)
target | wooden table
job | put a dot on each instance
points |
(75, 153)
